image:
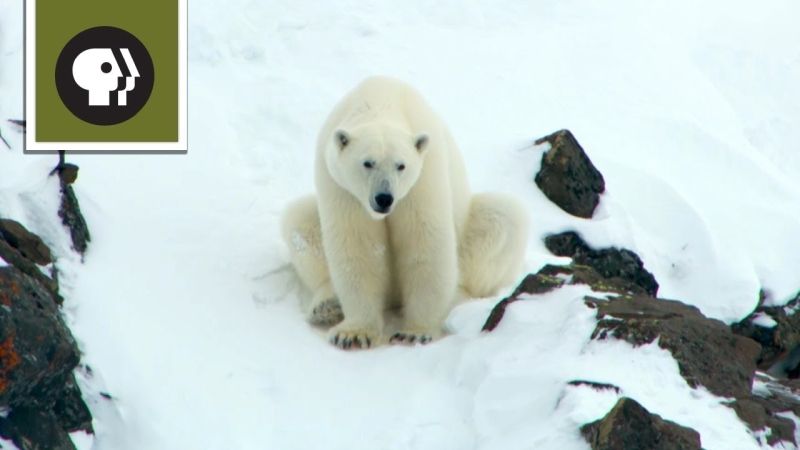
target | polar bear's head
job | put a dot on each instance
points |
(378, 165)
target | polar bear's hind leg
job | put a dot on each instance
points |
(302, 233)
(492, 246)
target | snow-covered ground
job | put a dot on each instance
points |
(188, 315)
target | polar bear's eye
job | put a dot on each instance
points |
(401, 167)
(369, 164)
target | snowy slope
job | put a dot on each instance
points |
(188, 315)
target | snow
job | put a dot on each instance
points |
(764, 321)
(5, 444)
(188, 316)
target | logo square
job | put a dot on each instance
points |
(98, 80)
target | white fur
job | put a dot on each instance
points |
(436, 242)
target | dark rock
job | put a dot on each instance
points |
(566, 244)
(595, 385)
(34, 429)
(567, 176)
(67, 172)
(608, 262)
(71, 410)
(777, 342)
(72, 218)
(707, 352)
(25, 242)
(37, 351)
(629, 426)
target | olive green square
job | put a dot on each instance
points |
(153, 22)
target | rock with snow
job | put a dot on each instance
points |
(629, 426)
(610, 262)
(776, 328)
(707, 352)
(551, 277)
(766, 410)
(567, 176)
(537, 283)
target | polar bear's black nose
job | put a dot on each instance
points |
(384, 201)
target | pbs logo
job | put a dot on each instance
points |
(104, 75)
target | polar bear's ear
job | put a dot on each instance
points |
(421, 142)
(342, 139)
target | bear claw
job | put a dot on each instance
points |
(410, 338)
(351, 340)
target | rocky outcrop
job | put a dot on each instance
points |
(776, 328)
(629, 426)
(37, 357)
(40, 400)
(567, 176)
(707, 352)
(609, 262)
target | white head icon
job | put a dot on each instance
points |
(96, 70)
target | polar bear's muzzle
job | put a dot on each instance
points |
(382, 202)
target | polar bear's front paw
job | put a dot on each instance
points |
(326, 313)
(350, 338)
(411, 338)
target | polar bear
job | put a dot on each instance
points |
(393, 224)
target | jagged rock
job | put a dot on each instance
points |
(25, 242)
(706, 350)
(37, 351)
(777, 341)
(35, 429)
(72, 218)
(37, 357)
(567, 176)
(608, 262)
(629, 426)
